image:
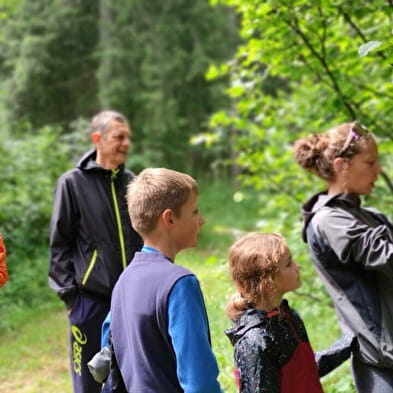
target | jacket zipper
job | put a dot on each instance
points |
(119, 229)
(117, 213)
(91, 265)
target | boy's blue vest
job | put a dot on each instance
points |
(139, 324)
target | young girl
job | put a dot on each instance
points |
(3, 264)
(352, 247)
(272, 351)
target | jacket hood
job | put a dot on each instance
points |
(248, 320)
(88, 163)
(320, 200)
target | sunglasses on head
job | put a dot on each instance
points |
(355, 132)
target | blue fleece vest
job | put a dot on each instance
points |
(139, 324)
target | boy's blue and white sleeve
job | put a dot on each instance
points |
(197, 368)
(105, 330)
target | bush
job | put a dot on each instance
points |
(30, 166)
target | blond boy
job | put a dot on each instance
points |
(159, 325)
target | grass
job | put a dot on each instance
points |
(33, 354)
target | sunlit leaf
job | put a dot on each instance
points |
(365, 49)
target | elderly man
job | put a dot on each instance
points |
(92, 239)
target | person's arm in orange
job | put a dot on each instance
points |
(3, 264)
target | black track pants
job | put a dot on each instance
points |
(86, 320)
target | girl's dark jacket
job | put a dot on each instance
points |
(352, 250)
(91, 237)
(272, 353)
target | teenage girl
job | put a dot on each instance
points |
(272, 352)
(352, 247)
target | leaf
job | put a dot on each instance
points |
(368, 47)
(386, 44)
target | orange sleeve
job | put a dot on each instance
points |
(3, 264)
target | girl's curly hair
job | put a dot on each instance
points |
(253, 265)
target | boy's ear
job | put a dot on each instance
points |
(167, 217)
(95, 137)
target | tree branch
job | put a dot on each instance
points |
(371, 90)
(313, 71)
(324, 30)
(358, 31)
(322, 60)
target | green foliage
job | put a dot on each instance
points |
(297, 72)
(378, 47)
(30, 167)
(64, 60)
(33, 163)
(152, 62)
(49, 68)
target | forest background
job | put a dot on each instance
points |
(219, 90)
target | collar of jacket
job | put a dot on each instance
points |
(88, 163)
(321, 199)
(250, 319)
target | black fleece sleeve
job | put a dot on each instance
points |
(62, 230)
(336, 354)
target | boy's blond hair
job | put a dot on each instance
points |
(153, 191)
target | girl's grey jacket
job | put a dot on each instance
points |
(352, 250)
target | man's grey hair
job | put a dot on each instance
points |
(101, 122)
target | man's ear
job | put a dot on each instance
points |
(338, 165)
(95, 137)
(167, 217)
